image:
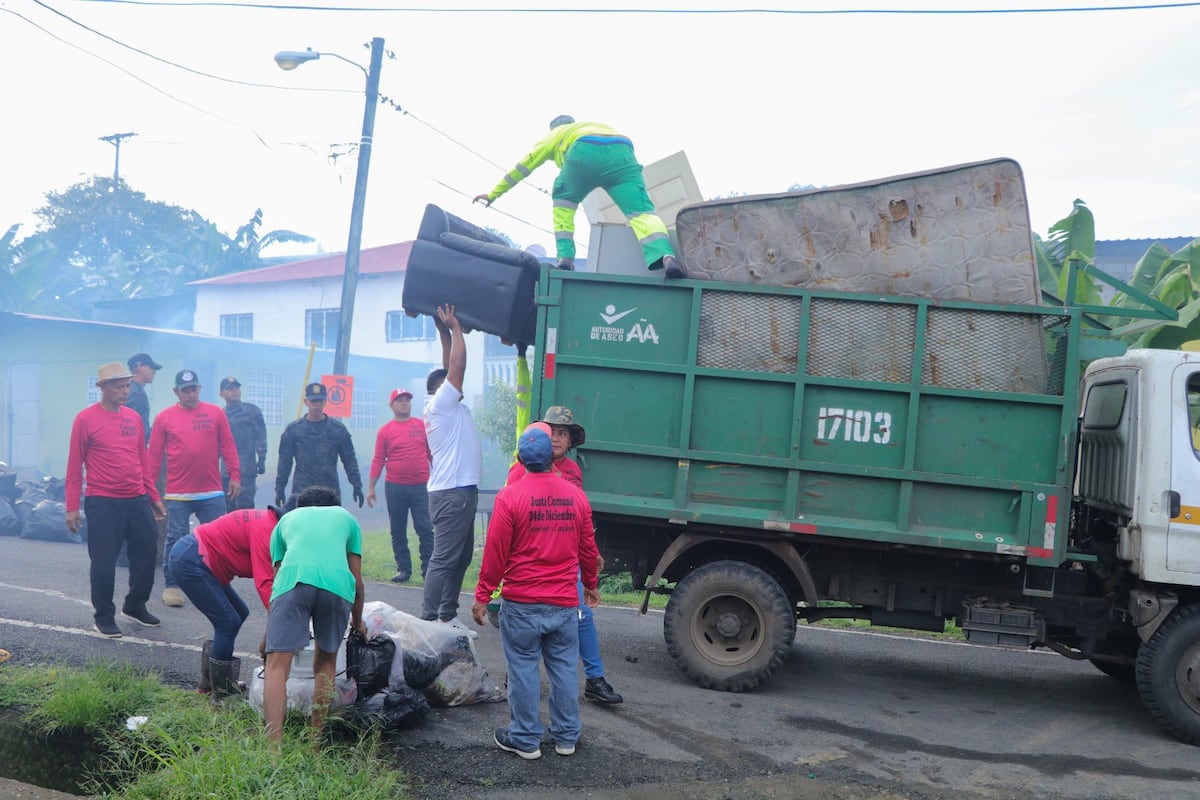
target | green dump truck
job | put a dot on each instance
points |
(766, 454)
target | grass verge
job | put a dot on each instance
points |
(186, 749)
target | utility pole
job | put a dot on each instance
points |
(115, 140)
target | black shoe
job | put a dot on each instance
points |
(673, 268)
(599, 690)
(401, 577)
(566, 263)
(108, 628)
(140, 616)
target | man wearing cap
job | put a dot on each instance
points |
(250, 436)
(191, 437)
(566, 433)
(453, 475)
(143, 369)
(539, 541)
(107, 443)
(402, 448)
(594, 156)
(315, 442)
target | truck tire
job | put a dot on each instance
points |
(1168, 674)
(729, 625)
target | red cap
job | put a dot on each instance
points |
(399, 393)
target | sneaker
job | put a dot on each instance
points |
(564, 749)
(505, 744)
(674, 269)
(108, 629)
(401, 577)
(141, 617)
(171, 596)
(599, 690)
(567, 264)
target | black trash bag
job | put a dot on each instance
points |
(422, 669)
(369, 662)
(393, 709)
(32, 492)
(55, 488)
(47, 522)
(10, 524)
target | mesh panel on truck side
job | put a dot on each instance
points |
(862, 340)
(985, 351)
(745, 331)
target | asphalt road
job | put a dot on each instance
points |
(851, 715)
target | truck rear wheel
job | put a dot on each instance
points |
(1168, 674)
(729, 625)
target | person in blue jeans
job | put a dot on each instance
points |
(539, 541)
(566, 433)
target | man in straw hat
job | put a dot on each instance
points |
(108, 443)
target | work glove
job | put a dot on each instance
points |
(358, 496)
(482, 198)
(262, 468)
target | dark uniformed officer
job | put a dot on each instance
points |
(250, 436)
(143, 368)
(314, 442)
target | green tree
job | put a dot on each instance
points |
(497, 421)
(100, 240)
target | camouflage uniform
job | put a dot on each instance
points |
(315, 447)
(250, 436)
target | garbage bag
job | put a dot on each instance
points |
(300, 691)
(391, 709)
(369, 661)
(10, 525)
(47, 522)
(428, 649)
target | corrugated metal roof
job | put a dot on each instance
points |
(371, 260)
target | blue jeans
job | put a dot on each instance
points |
(403, 499)
(223, 606)
(453, 515)
(589, 640)
(178, 514)
(533, 632)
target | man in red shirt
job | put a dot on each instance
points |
(540, 539)
(192, 437)
(401, 446)
(108, 443)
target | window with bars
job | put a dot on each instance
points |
(364, 413)
(321, 326)
(264, 389)
(399, 327)
(237, 326)
(93, 391)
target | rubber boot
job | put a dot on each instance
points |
(205, 677)
(225, 676)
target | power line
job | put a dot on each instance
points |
(140, 80)
(644, 10)
(183, 67)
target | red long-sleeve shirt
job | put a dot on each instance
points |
(193, 440)
(539, 540)
(402, 446)
(110, 446)
(565, 467)
(238, 545)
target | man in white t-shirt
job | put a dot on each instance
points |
(453, 474)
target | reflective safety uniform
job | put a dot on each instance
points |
(593, 156)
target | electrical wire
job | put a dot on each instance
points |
(139, 79)
(183, 67)
(644, 10)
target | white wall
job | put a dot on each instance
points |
(279, 311)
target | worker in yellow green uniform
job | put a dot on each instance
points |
(594, 156)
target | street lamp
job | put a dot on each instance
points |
(289, 60)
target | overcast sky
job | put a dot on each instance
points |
(1101, 105)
